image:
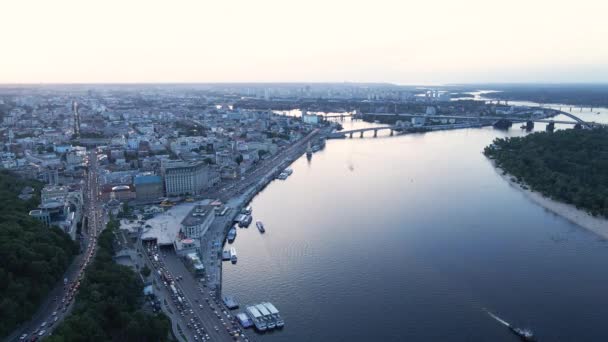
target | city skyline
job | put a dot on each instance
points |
(271, 41)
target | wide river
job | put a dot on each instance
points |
(409, 238)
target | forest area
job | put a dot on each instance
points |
(569, 166)
(32, 256)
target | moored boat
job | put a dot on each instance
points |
(233, 257)
(231, 235)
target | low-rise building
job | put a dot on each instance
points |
(148, 187)
(198, 221)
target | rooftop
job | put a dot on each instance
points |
(165, 227)
(147, 179)
(198, 214)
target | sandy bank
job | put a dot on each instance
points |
(594, 224)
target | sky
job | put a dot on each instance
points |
(400, 41)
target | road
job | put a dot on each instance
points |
(192, 307)
(264, 169)
(60, 300)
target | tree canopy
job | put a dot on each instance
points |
(32, 257)
(570, 166)
(109, 301)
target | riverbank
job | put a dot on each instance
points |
(596, 225)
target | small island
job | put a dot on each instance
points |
(565, 171)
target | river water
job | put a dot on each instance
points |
(408, 238)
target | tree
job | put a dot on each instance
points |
(570, 166)
(32, 257)
(108, 304)
(145, 271)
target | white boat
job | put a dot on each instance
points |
(260, 226)
(257, 318)
(270, 321)
(247, 211)
(226, 255)
(275, 314)
(245, 221)
(233, 257)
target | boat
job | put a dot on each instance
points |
(275, 314)
(245, 321)
(267, 316)
(247, 211)
(226, 255)
(309, 150)
(233, 257)
(245, 221)
(231, 235)
(524, 334)
(230, 302)
(282, 176)
(257, 318)
(260, 226)
(240, 218)
(288, 171)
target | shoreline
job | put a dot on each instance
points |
(593, 224)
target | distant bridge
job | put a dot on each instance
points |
(363, 130)
(576, 119)
(488, 119)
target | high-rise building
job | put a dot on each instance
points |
(76, 119)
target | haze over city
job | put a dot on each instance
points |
(403, 42)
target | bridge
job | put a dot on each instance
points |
(576, 119)
(363, 130)
(487, 119)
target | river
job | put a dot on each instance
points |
(408, 238)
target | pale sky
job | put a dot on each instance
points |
(404, 42)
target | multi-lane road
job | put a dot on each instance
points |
(193, 308)
(60, 300)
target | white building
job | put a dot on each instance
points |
(198, 221)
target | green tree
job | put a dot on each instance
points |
(145, 271)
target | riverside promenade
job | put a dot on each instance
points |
(236, 195)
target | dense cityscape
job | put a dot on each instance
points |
(269, 171)
(164, 175)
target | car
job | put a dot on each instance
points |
(41, 333)
(43, 324)
(23, 337)
(54, 313)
